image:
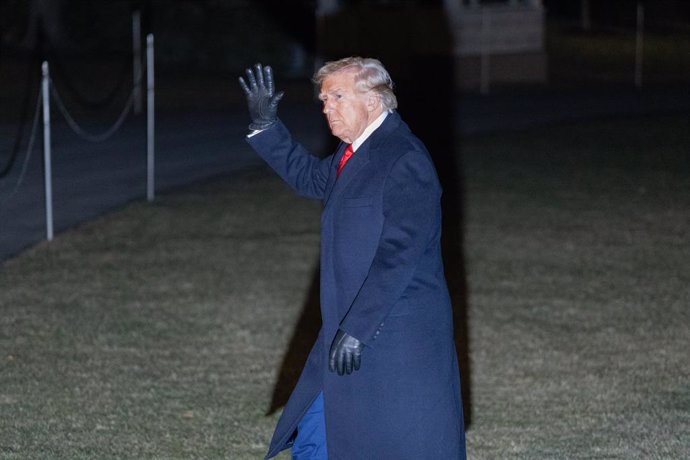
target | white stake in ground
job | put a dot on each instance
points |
(639, 43)
(48, 170)
(150, 187)
(136, 61)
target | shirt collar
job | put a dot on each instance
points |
(369, 129)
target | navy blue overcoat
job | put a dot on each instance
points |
(382, 281)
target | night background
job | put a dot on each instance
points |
(176, 327)
(583, 42)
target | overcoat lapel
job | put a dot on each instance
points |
(354, 165)
(333, 176)
(358, 161)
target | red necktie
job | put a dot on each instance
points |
(346, 156)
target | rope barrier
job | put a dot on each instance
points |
(29, 150)
(79, 131)
(48, 89)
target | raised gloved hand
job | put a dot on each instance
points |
(262, 101)
(346, 353)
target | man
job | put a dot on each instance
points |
(382, 380)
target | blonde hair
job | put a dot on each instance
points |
(370, 75)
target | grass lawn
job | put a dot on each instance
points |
(578, 262)
(158, 331)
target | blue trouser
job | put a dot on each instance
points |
(310, 443)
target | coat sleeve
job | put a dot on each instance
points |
(411, 210)
(304, 172)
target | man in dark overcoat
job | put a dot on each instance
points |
(382, 380)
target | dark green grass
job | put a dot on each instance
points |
(155, 332)
(578, 260)
(159, 331)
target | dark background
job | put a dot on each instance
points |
(218, 36)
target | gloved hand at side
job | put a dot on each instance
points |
(261, 97)
(346, 354)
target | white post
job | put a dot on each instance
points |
(484, 71)
(136, 61)
(585, 16)
(639, 43)
(48, 170)
(150, 188)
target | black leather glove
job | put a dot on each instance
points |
(262, 101)
(346, 353)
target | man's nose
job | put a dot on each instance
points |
(327, 106)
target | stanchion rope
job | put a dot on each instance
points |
(29, 150)
(79, 131)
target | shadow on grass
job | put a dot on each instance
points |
(301, 342)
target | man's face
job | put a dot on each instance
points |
(348, 110)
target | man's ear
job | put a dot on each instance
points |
(373, 101)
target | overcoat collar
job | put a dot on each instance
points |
(337, 184)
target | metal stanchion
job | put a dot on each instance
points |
(639, 43)
(45, 88)
(136, 61)
(150, 187)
